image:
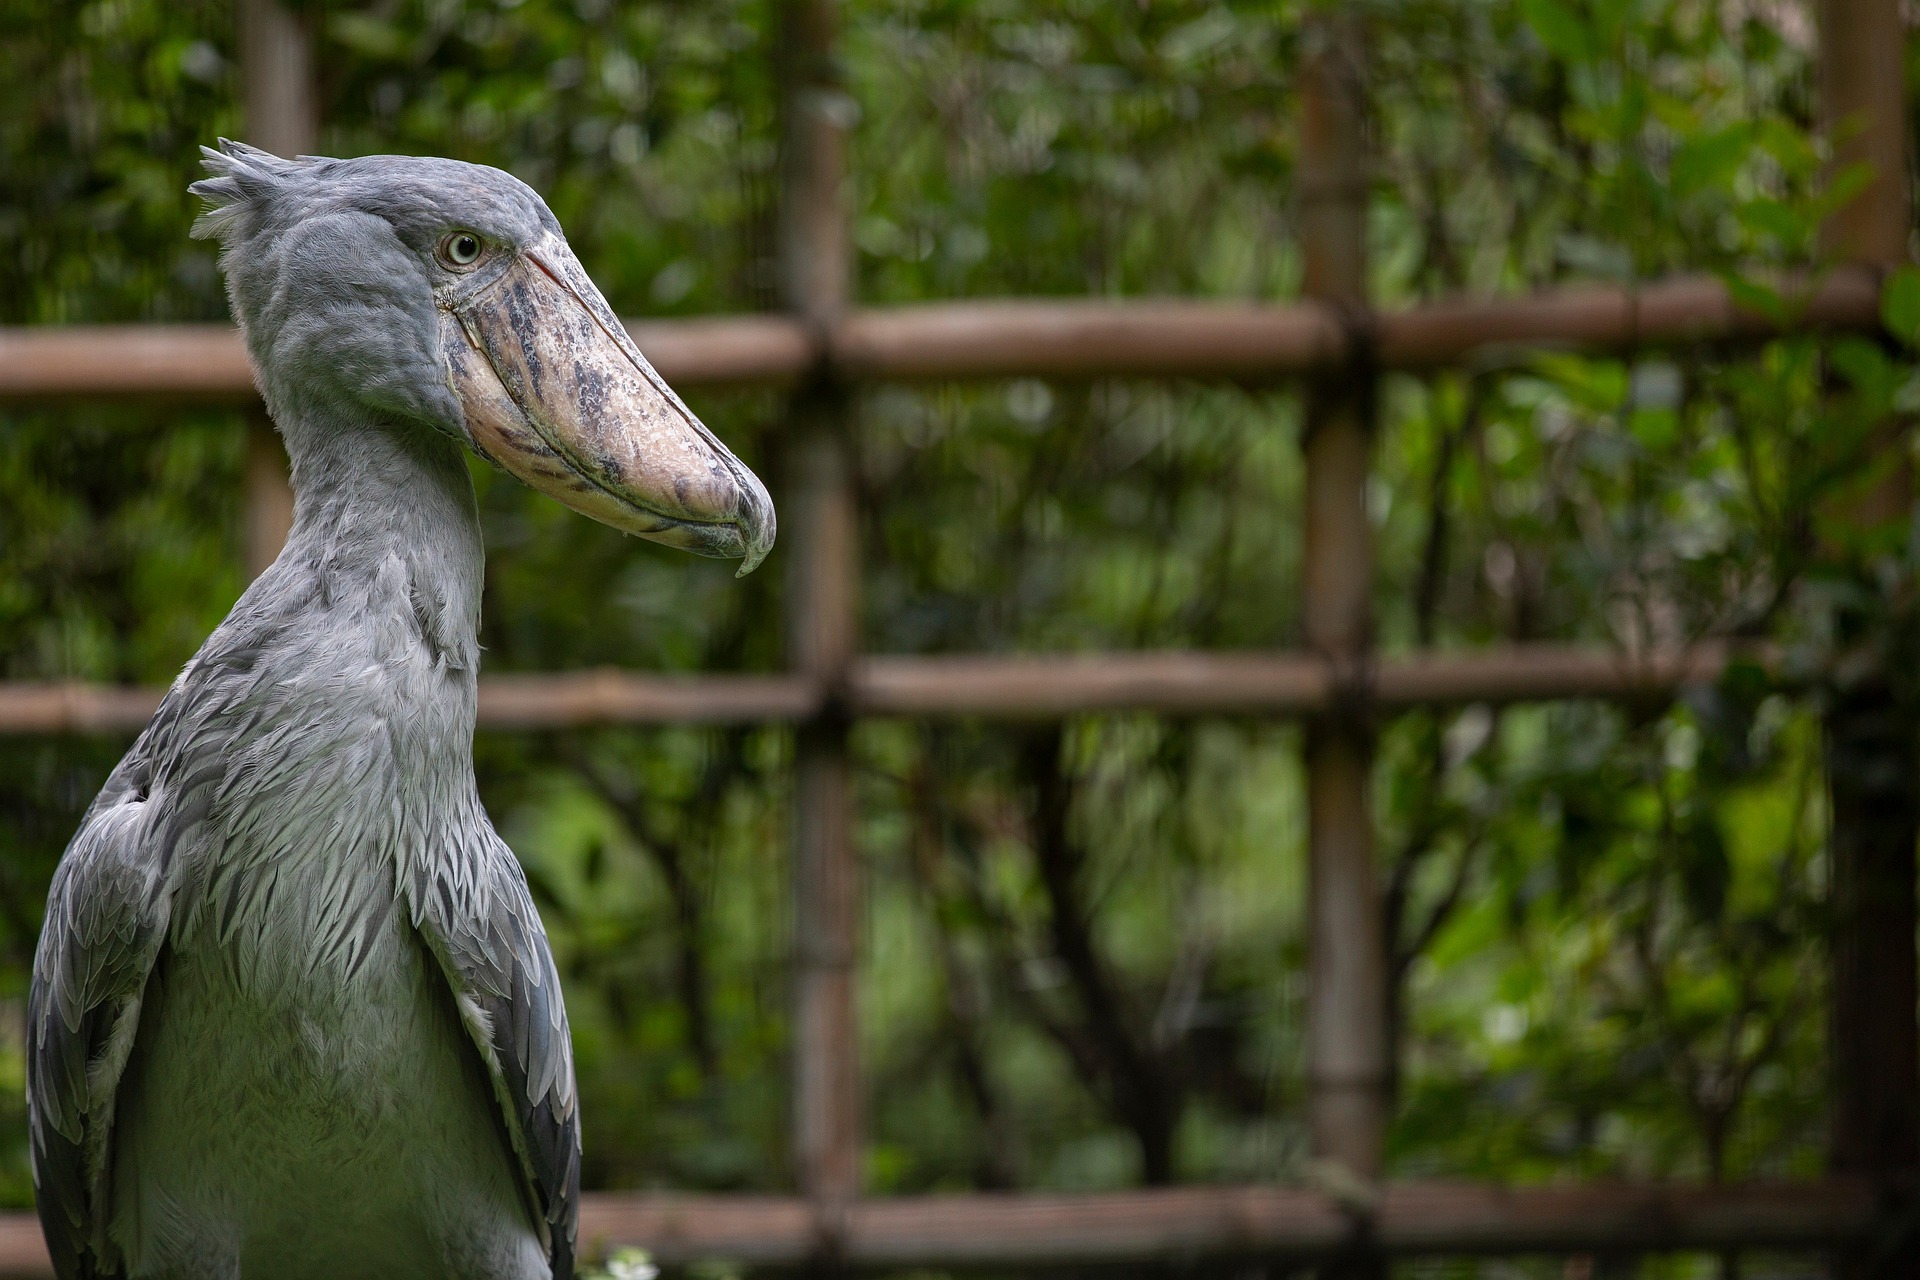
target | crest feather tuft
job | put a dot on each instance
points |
(241, 176)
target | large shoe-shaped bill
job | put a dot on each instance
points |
(556, 392)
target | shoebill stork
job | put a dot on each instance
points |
(293, 1013)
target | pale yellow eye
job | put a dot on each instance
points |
(460, 249)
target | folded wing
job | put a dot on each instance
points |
(476, 916)
(106, 919)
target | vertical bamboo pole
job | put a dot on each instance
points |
(282, 115)
(823, 614)
(1346, 1021)
(1872, 767)
(1863, 102)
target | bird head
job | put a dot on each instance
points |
(444, 294)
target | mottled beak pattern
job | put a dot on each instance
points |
(556, 392)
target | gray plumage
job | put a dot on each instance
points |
(293, 1013)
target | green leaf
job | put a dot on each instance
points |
(365, 34)
(1597, 385)
(1655, 428)
(1610, 18)
(1562, 30)
(1791, 149)
(1711, 160)
(1900, 305)
(1774, 219)
(1843, 187)
(1755, 296)
(1866, 368)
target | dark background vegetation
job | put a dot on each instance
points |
(1083, 954)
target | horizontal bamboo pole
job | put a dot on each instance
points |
(1021, 687)
(616, 697)
(1066, 338)
(507, 702)
(1007, 688)
(185, 361)
(1543, 672)
(73, 706)
(207, 362)
(1081, 338)
(1188, 1225)
(1680, 311)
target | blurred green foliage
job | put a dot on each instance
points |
(1606, 919)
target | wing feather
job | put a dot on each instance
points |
(478, 918)
(108, 913)
(106, 919)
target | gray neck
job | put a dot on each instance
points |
(374, 500)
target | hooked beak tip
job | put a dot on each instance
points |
(758, 526)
